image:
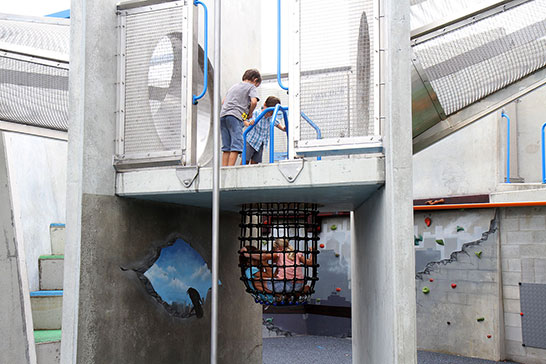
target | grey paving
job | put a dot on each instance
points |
(327, 350)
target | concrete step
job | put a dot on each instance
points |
(57, 238)
(47, 309)
(51, 272)
(48, 346)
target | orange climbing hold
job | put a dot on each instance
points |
(431, 280)
(453, 285)
(338, 289)
(321, 246)
(428, 221)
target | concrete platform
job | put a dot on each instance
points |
(48, 346)
(51, 272)
(47, 309)
(337, 184)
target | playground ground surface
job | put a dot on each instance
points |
(330, 350)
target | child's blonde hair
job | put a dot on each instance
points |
(284, 244)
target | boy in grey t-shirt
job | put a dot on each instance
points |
(240, 101)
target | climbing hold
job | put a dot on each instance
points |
(318, 300)
(440, 242)
(321, 246)
(480, 319)
(521, 313)
(264, 242)
(338, 289)
(428, 221)
(489, 336)
(453, 285)
(417, 239)
(269, 320)
(337, 255)
(333, 227)
(449, 323)
(460, 228)
(431, 280)
(479, 254)
(426, 290)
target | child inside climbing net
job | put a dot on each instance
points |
(288, 276)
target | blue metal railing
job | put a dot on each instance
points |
(507, 146)
(206, 56)
(279, 46)
(275, 110)
(543, 155)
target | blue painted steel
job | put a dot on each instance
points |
(285, 116)
(314, 126)
(272, 134)
(57, 224)
(206, 55)
(279, 46)
(543, 156)
(507, 146)
(64, 14)
(46, 293)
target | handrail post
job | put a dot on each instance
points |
(279, 81)
(285, 117)
(256, 121)
(314, 126)
(503, 114)
(272, 134)
(543, 155)
(205, 56)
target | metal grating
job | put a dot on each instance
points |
(336, 68)
(473, 61)
(533, 308)
(153, 76)
(36, 33)
(33, 94)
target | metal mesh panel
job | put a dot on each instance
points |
(38, 35)
(425, 12)
(476, 60)
(533, 308)
(33, 94)
(153, 90)
(336, 68)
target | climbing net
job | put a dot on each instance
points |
(278, 251)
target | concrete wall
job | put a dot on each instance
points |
(523, 253)
(99, 246)
(447, 317)
(16, 345)
(121, 233)
(38, 182)
(469, 163)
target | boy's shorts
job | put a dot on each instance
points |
(231, 130)
(253, 154)
(280, 286)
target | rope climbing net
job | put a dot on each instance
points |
(278, 251)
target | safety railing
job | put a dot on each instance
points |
(503, 115)
(205, 50)
(543, 154)
(278, 108)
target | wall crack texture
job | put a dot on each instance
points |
(430, 267)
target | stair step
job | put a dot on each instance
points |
(51, 272)
(57, 237)
(48, 346)
(47, 309)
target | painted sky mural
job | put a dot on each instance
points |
(178, 268)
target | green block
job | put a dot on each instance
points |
(440, 242)
(44, 336)
(60, 256)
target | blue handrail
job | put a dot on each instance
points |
(272, 133)
(256, 121)
(279, 46)
(206, 56)
(543, 156)
(314, 126)
(507, 146)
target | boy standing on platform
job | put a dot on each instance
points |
(239, 103)
(258, 137)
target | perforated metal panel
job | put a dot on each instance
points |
(337, 67)
(469, 63)
(153, 80)
(34, 71)
(533, 307)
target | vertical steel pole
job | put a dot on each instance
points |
(215, 184)
(503, 115)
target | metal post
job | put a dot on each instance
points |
(503, 115)
(543, 156)
(215, 184)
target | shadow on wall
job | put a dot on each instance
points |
(178, 277)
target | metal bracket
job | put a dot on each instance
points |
(291, 169)
(187, 175)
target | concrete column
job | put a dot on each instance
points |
(383, 280)
(17, 344)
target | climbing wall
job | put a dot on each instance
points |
(458, 307)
